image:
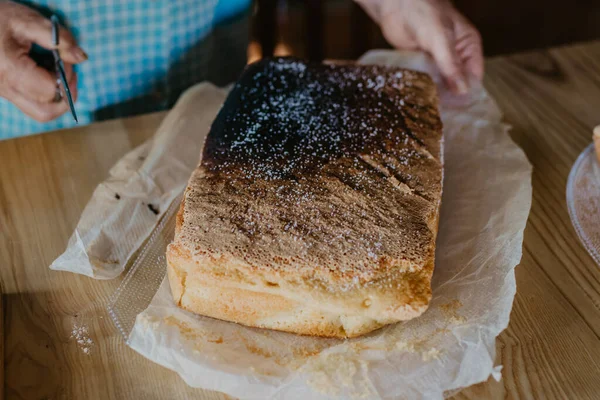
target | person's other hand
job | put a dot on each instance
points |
(435, 27)
(22, 82)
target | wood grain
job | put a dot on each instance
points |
(551, 349)
(1, 342)
(45, 181)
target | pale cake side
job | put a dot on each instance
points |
(316, 204)
(597, 141)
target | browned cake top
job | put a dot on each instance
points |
(321, 169)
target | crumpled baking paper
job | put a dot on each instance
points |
(485, 205)
(126, 207)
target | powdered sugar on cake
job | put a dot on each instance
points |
(335, 167)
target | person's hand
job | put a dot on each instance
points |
(22, 82)
(435, 27)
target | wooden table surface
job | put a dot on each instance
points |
(551, 349)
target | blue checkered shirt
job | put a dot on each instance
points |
(142, 55)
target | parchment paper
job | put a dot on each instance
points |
(126, 207)
(486, 201)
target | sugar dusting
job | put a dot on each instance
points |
(286, 118)
(80, 334)
(336, 167)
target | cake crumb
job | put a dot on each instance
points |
(340, 375)
(450, 311)
(431, 354)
